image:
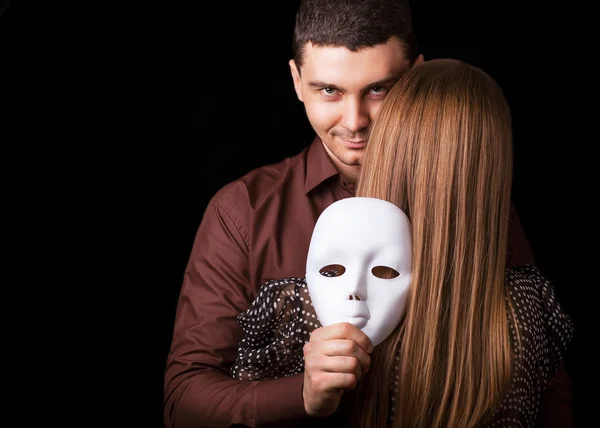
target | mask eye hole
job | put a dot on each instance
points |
(332, 270)
(384, 272)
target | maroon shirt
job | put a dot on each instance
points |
(256, 229)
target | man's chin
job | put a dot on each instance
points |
(353, 161)
(348, 157)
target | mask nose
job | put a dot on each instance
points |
(356, 285)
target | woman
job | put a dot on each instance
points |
(478, 341)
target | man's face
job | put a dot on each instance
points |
(342, 91)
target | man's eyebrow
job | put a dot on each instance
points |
(318, 84)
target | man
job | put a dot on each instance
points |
(346, 56)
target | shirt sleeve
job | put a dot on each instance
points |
(199, 390)
(556, 407)
(559, 326)
(556, 403)
(276, 327)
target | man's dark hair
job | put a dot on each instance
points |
(353, 24)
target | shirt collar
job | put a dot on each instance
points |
(318, 166)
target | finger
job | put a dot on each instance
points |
(347, 348)
(328, 381)
(342, 365)
(315, 353)
(343, 330)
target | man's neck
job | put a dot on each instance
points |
(349, 173)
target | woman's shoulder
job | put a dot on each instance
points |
(544, 325)
(527, 287)
(523, 276)
(531, 291)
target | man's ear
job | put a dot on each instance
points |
(420, 60)
(296, 78)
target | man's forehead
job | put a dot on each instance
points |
(339, 66)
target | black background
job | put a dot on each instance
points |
(121, 120)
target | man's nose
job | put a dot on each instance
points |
(354, 297)
(356, 116)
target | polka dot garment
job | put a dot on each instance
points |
(281, 318)
(276, 327)
(545, 331)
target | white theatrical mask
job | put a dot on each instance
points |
(360, 234)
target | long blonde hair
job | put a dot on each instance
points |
(441, 149)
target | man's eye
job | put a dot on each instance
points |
(329, 91)
(378, 89)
